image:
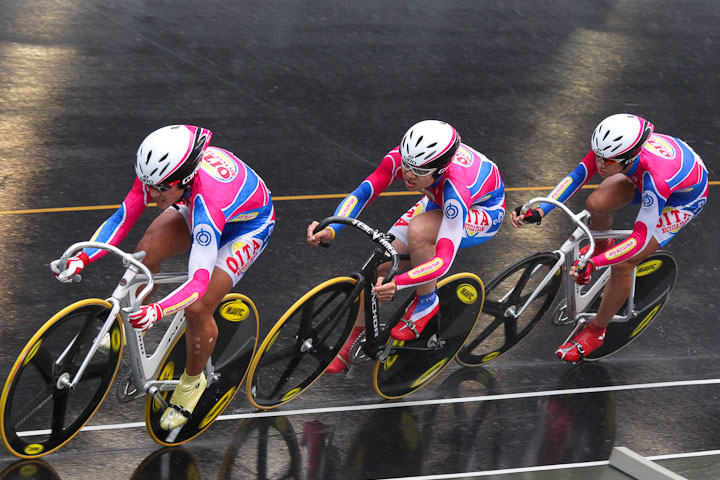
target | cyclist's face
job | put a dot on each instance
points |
(168, 197)
(607, 169)
(417, 183)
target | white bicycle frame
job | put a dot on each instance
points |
(579, 297)
(124, 300)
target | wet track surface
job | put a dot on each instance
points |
(312, 95)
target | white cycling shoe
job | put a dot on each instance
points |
(183, 401)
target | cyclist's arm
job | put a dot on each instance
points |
(569, 185)
(654, 198)
(115, 228)
(450, 234)
(368, 190)
(203, 255)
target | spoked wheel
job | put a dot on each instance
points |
(654, 282)
(500, 327)
(412, 367)
(237, 321)
(303, 343)
(39, 413)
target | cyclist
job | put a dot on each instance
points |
(215, 207)
(463, 205)
(661, 174)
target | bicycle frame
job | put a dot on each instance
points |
(366, 277)
(579, 297)
(125, 299)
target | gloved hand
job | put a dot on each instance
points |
(533, 215)
(146, 317)
(583, 274)
(73, 266)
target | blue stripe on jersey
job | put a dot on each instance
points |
(363, 193)
(451, 193)
(249, 186)
(200, 216)
(649, 185)
(483, 172)
(688, 162)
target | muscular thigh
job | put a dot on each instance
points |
(168, 235)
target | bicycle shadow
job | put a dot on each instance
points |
(29, 470)
(167, 463)
(577, 427)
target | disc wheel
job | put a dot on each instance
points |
(237, 321)
(500, 327)
(415, 363)
(39, 413)
(303, 343)
(654, 282)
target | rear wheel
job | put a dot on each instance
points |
(654, 282)
(500, 327)
(237, 321)
(303, 343)
(39, 414)
(415, 363)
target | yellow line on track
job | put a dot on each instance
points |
(275, 199)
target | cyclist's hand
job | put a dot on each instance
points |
(533, 215)
(385, 292)
(73, 266)
(323, 236)
(582, 275)
(146, 317)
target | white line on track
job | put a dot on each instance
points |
(441, 401)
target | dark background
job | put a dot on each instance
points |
(312, 95)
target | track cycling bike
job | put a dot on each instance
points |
(306, 339)
(69, 365)
(522, 294)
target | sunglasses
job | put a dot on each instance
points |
(607, 161)
(164, 187)
(420, 172)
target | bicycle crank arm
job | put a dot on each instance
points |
(155, 392)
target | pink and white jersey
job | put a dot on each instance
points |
(470, 179)
(667, 174)
(224, 190)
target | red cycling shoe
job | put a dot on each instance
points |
(585, 342)
(413, 321)
(341, 362)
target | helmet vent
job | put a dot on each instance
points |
(430, 155)
(418, 141)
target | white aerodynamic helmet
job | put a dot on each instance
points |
(620, 137)
(429, 144)
(171, 153)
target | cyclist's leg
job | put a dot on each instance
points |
(612, 194)
(618, 287)
(241, 243)
(167, 236)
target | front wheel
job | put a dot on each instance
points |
(500, 326)
(303, 343)
(39, 414)
(654, 282)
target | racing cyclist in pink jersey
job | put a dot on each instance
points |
(463, 205)
(661, 174)
(216, 208)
